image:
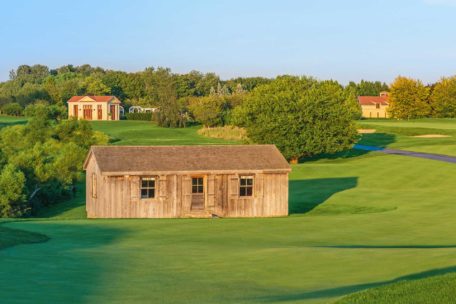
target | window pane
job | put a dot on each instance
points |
(144, 193)
(152, 193)
(242, 181)
(194, 189)
(143, 184)
(242, 191)
(200, 189)
(249, 191)
(194, 181)
(249, 181)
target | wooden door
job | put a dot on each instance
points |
(198, 193)
(75, 111)
(100, 112)
(113, 112)
(87, 112)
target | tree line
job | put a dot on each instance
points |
(175, 94)
(153, 87)
(409, 98)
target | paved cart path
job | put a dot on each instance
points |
(439, 157)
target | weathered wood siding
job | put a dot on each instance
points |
(119, 196)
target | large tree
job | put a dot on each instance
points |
(443, 98)
(301, 116)
(408, 99)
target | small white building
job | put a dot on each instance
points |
(94, 107)
(139, 109)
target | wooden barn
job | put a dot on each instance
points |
(186, 181)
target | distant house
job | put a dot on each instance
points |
(94, 107)
(374, 106)
(186, 181)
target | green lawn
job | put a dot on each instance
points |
(11, 120)
(146, 133)
(401, 135)
(12, 237)
(439, 289)
(357, 222)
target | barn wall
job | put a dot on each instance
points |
(270, 197)
(119, 196)
(370, 111)
(93, 202)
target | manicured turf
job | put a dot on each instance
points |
(11, 120)
(440, 289)
(12, 237)
(358, 222)
(147, 133)
(401, 135)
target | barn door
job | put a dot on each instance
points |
(198, 193)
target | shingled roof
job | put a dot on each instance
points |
(112, 160)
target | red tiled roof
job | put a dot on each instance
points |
(96, 98)
(372, 100)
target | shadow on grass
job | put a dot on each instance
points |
(380, 140)
(307, 194)
(4, 124)
(68, 268)
(345, 290)
(11, 237)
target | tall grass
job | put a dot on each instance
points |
(226, 132)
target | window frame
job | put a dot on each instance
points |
(148, 188)
(247, 186)
(199, 186)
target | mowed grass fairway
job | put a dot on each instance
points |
(402, 134)
(357, 222)
(131, 132)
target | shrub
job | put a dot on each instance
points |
(139, 116)
(13, 109)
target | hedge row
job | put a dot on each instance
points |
(138, 116)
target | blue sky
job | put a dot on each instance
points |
(343, 40)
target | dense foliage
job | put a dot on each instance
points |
(409, 99)
(139, 116)
(41, 161)
(149, 88)
(443, 98)
(368, 88)
(301, 116)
